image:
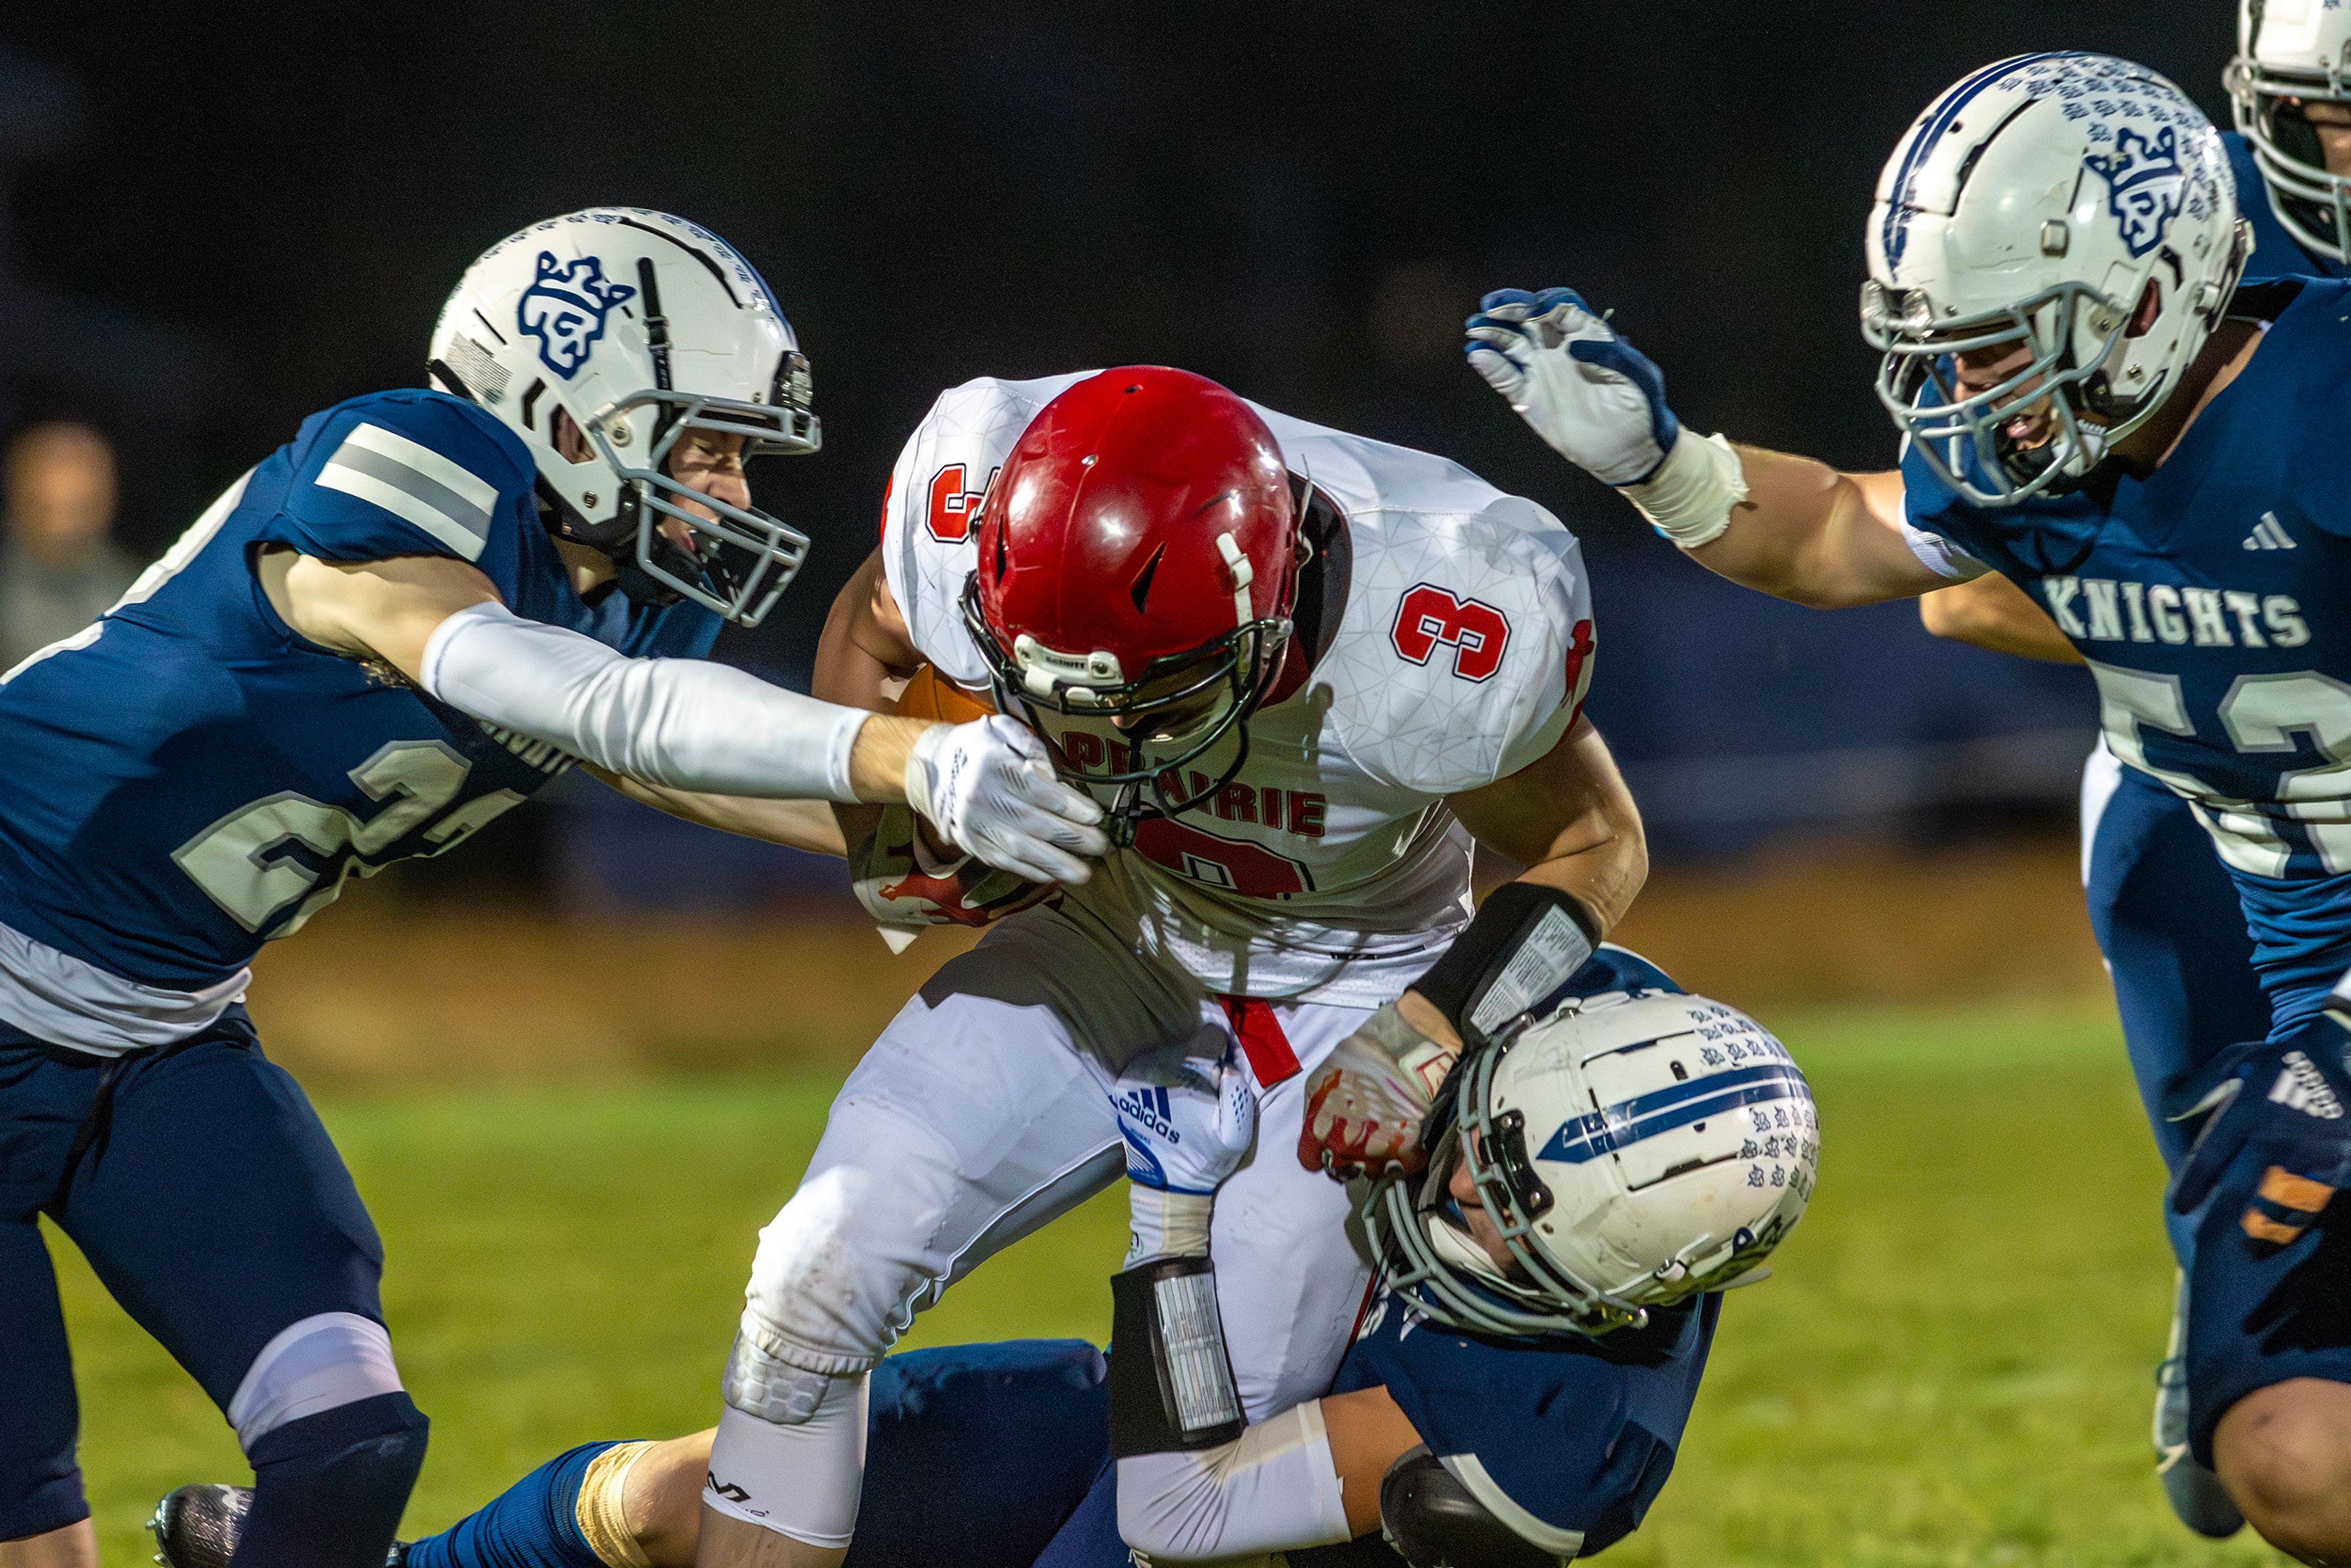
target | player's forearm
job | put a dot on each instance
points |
(796, 824)
(1993, 612)
(864, 646)
(1817, 536)
(679, 724)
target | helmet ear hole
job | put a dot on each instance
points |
(1142, 588)
(2150, 305)
(571, 443)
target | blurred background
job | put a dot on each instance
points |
(215, 223)
(215, 220)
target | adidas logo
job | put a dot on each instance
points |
(2302, 1087)
(2268, 534)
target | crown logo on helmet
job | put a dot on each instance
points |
(565, 308)
(2146, 185)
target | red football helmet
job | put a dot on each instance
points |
(1138, 559)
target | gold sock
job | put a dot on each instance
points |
(602, 1516)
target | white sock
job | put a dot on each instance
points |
(801, 1481)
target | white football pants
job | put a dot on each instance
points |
(982, 1113)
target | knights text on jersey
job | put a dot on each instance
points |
(1330, 867)
(2209, 596)
(190, 778)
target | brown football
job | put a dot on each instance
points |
(930, 695)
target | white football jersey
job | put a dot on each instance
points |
(1330, 867)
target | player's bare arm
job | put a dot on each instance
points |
(1992, 612)
(864, 647)
(1810, 533)
(1571, 821)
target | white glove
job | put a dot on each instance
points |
(1366, 1102)
(1189, 1122)
(990, 788)
(1601, 403)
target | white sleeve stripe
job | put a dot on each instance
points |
(1936, 553)
(414, 483)
(400, 504)
(481, 496)
(1467, 1469)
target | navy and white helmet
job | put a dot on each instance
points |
(640, 326)
(1632, 1148)
(2077, 205)
(2291, 53)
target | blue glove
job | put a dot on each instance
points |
(2287, 1104)
(1598, 401)
(1188, 1121)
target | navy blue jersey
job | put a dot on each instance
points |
(1577, 1432)
(2212, 601)
(2276, 254)
(189, 779)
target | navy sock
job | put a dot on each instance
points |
(328, 1489)
(534, 1523)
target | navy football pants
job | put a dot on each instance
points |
(2169, 919)
(211, 1206)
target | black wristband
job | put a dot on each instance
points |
(1526, 941)
(1171, 1385)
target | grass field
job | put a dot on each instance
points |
(1952, 1367)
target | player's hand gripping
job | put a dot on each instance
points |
(989, 787)
(1366, 1102)
(1188, 1121)
(1600, 401)
(2279, 1141)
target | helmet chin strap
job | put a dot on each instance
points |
(1243, 575)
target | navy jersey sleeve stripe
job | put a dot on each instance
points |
(413, 482)
(411, 473)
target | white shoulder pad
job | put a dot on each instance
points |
(1465, 648)
(931, 513)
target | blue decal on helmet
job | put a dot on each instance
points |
(1896, 238)
(2146, 185)
(565, 309)
(1621, 1126)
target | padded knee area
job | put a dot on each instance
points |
(832, 1270)
(328, 1489)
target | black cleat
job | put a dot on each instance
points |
(198, 1527)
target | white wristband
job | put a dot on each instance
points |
(1162, 1224)
(1690, 498)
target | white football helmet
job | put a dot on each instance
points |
(640, 326)
(1632, 1148)
(2291, 53)
(2041, 202)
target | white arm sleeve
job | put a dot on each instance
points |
(1272, 1488)
(681, 722)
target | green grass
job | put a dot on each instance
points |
(1952, 1367)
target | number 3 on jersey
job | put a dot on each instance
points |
(289, 850)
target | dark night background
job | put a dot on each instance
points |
(217, 221)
